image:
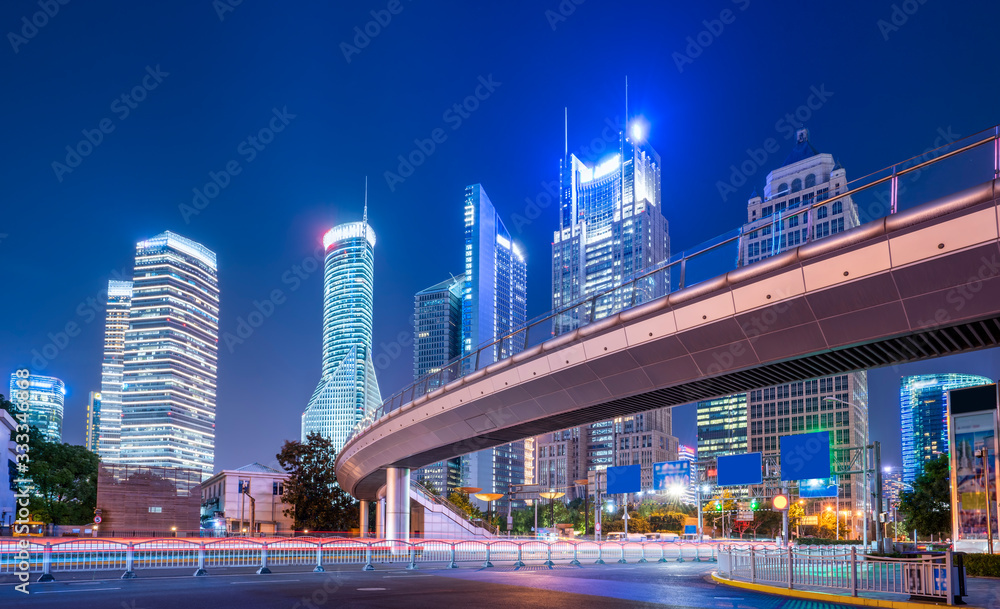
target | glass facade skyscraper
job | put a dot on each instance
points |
(923, 414)
(46, 396)
(494, 302)
(93, 421)
(171, 357)
(348, 390)
(115, 324)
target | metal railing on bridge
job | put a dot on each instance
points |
(49, 558)
(841, 569)
(941, 171)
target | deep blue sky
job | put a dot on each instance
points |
(890, 92)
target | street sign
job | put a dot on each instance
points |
(97, 519)
(744, 516)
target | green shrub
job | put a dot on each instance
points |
(982, 565)
(819, 541)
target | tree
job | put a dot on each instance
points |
(317, 501)
(65, 481)
(927, 507)
(461, 501)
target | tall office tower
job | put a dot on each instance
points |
(923, 410)
(494, 302)
(93, 422)
(722, 426)
(437, 340)
(776, 222)
(171, 357)
(348, 391)
(46, 395)
(611, 229)
(689, 454)
(115, 325)
(892, 486)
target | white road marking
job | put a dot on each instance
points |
(262, 582)
(77, 591)
(371, 589)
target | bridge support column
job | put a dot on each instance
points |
(364, 518)
(380, 518)
(397, 504)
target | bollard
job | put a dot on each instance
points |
(548, 556)
(46, 575)
(753, 566)
(575, 562)
(600, 554)
(319, 558)
(413, 558)
(263, 570)
(519, 562)
(487, 564)
(200, 571)
(368, 558)
(622, 560)
(854, 571)
(452, 564)
(129, 573)
(791, 564)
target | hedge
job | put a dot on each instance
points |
(982, 565)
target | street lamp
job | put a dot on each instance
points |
(551, 496)
(584, 482)
(489, 498)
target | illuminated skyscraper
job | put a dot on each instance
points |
(348, 390)
(170, 357)
(46, 395)
(115, 325)
(93, 421)
(923, 414)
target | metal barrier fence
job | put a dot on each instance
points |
(842, 569)
(47, 558)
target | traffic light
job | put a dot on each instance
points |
(753, 504)
(718, 505)
(780, 502)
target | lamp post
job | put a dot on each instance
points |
(586, 507)
(864, 476)
(489, 498)
(551, 495)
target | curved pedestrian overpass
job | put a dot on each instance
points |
(915, 284)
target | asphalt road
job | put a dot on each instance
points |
(611, 586)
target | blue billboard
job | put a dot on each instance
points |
(805, 456)
(818, 487)
(624, 479)
(736, 470)
(670, 474)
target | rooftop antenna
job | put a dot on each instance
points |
(365, 216)
(626, 103)
(565, 132)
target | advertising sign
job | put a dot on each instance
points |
(671, 474)
(736, 470)
(624, 479)
(805, 456)
(818, 487)
(972, 435)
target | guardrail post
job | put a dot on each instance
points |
(548, 555)
(46, 564)
(643, 558)
(519, 562)
(263, 570)
(680, 553)
(319, 558)
(663, 558)
(753, 565)
(714, 557)
(790, 565)
(368, 558)
(949, 582)
(452, 564)
(129, 555)
(854, 571)
(413, 558)
(600, 554)
(200, 571)
(575, 562)
(621, 548)
(487, 564)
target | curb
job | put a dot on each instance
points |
(828, 598)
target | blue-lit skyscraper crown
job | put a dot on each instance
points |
(45, 398)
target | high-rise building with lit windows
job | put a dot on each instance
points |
(112, 366)
(171, 357)
(494, 303)
(348, 391)
(93, 435)
(437, 340)
(46, 396)
(923, 414)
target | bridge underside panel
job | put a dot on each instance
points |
(884, 295)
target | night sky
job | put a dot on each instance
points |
(343, 105)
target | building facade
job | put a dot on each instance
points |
(93, 435)
(347, 392)
(923, 414)
(689, 454)
(170, 362)
(46, 396)
(494, 302)
(119, 302)
(437, 341)
(247, 499)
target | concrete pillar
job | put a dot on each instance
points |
(397, 504)
(364, 518)
(380, 518)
